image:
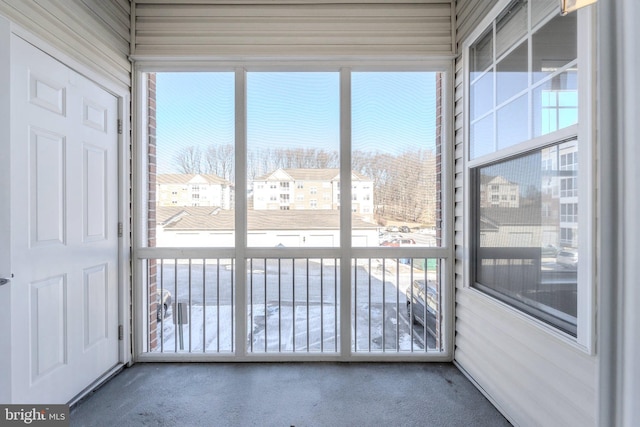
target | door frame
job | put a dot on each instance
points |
(118, 89)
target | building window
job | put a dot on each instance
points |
(569, 212)
(568, 187)
(523, 89)
(313, 190)
(313, 203)
(568, 237)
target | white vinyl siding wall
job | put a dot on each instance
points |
(531, 374)
(293, 29)
(92, 32)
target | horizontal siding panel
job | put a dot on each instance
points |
(171, 25)
(86, 25)
(113, 16)
(123, 5)
(389, 10)
(307, 38)
(536, 344)
(287, 2)
(469, 13)
(519, 377)
(77, 30)
(483, 371)
(195, 52)
(297, 29)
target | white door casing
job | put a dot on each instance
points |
(64, 233)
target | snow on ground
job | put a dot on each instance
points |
(314, 330)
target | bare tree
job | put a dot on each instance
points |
(219, 160)
(404, 185)
(189, 160)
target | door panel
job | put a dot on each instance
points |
(64, 242)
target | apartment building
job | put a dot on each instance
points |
(289, 189)
(194, 190)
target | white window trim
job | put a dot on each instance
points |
(585, 131)
(241, 252)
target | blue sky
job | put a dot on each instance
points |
(391, 112)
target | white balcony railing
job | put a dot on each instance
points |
(293, 306)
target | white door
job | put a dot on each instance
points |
(64, 232)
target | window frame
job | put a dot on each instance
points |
(584, 131)
(242, 251)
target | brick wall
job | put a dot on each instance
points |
(151, 209)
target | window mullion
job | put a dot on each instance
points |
(240, 304)
(345, 212)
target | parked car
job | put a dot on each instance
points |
(418, 306)
(399, 242)
(387, 238)
(567, 258)
(549, 251)
(392, 229)
(405, 229)
(163, 303)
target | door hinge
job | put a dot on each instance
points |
(119, 229)
(119, 127)
(120, 332)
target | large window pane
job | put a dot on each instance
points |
(395, 188)
(540, 9)
(512, 74)
(511, 26)
(482, 137)
(554, 46)
(526, 239)
(481, 54)
(555, 103)
(293, 140)
(194, 155)
(513, 122)
(482, 96)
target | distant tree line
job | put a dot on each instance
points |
(404, 186)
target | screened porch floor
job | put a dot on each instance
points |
(288, 394)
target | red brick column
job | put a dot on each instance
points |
(151, 209)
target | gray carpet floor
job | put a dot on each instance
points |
(287, 394)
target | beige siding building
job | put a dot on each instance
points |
(194, 190)
(289, 189)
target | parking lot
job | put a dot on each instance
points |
(293, 308)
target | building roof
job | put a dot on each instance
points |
(214, 218)
(491, 179)
(329, 174)
(190, 178)
(498, 217)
